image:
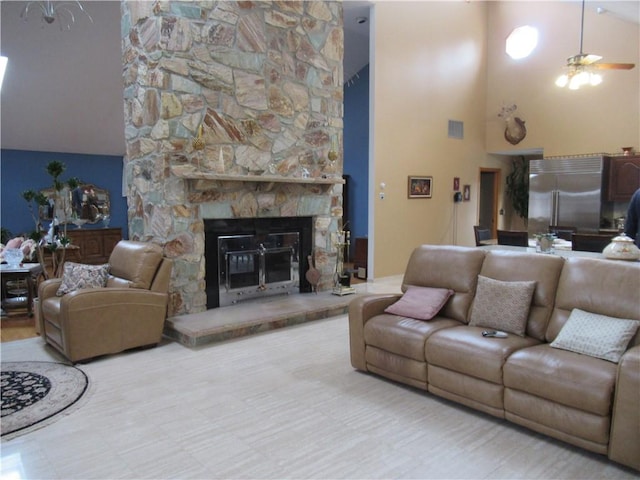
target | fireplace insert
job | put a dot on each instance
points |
(254, 258)
(251, 266)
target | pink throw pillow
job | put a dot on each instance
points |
(15, 242)
(421, 303)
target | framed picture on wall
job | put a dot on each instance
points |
(466, 193)
(420, 187)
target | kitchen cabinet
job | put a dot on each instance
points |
(96, 244)
(622, 177)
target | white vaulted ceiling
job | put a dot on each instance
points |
(62, 91)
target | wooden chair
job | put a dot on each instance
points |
(590, 242)
(563, 232)
(513, 237)
(481, 234)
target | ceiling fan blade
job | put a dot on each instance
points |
(583, 59)
(614, 66)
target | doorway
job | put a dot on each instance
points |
(488, 205)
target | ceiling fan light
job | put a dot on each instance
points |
(595, 79)
(562, 80)
(521, 42)
(575, 83)
(582, 78)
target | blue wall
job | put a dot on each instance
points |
(356, 151)
(22, 170)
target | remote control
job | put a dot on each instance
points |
(494, 333)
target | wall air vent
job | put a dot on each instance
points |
(456, 129)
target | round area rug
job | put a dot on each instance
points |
(36, 393)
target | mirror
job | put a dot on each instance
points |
(87, 202)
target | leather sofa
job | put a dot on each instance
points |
(128, 312)
(586, 401)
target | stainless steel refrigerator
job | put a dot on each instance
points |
(565, 192)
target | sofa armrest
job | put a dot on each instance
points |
(624, 444)
(360, 311)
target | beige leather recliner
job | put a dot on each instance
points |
(129, 312)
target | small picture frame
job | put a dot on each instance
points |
(466, 193)
(456, 184)
(420, 187)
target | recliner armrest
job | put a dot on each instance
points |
(48, 288)
(360, 311)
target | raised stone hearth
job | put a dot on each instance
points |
(219, 324)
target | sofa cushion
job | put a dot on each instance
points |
(421, 303)
(596, 335)
(463, 349)
(510, 266)
(401, 335)
(77, 275)
(117, 282)
(578, 381)
(451, 267)
(605, 287)
(502, 305)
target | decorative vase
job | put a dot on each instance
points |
(13, 257)
(544, 243)
(622, 248)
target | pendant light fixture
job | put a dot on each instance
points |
(52, 11)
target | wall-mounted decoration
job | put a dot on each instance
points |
(420, 187)
(466, 193)
(456, 184)
(514, 131)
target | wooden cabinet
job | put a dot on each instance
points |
(622, 177)
(95, 244)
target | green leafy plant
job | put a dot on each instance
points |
(517, 188)
(37, 199)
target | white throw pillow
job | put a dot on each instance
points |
(596, 335)
(502, 305)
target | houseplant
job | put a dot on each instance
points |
(517, 187)
(53, 239)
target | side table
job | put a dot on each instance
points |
(26, 274)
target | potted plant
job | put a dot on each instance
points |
(53, 240)
(517, 187)
(544, 242)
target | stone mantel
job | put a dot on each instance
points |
(192, 174)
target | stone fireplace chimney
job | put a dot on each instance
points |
(231, 111)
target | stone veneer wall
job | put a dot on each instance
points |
(258, 84)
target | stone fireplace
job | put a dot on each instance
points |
(233, 111)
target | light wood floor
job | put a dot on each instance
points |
(17, 327)
(282, 404)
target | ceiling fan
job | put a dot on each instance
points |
(580, 67)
